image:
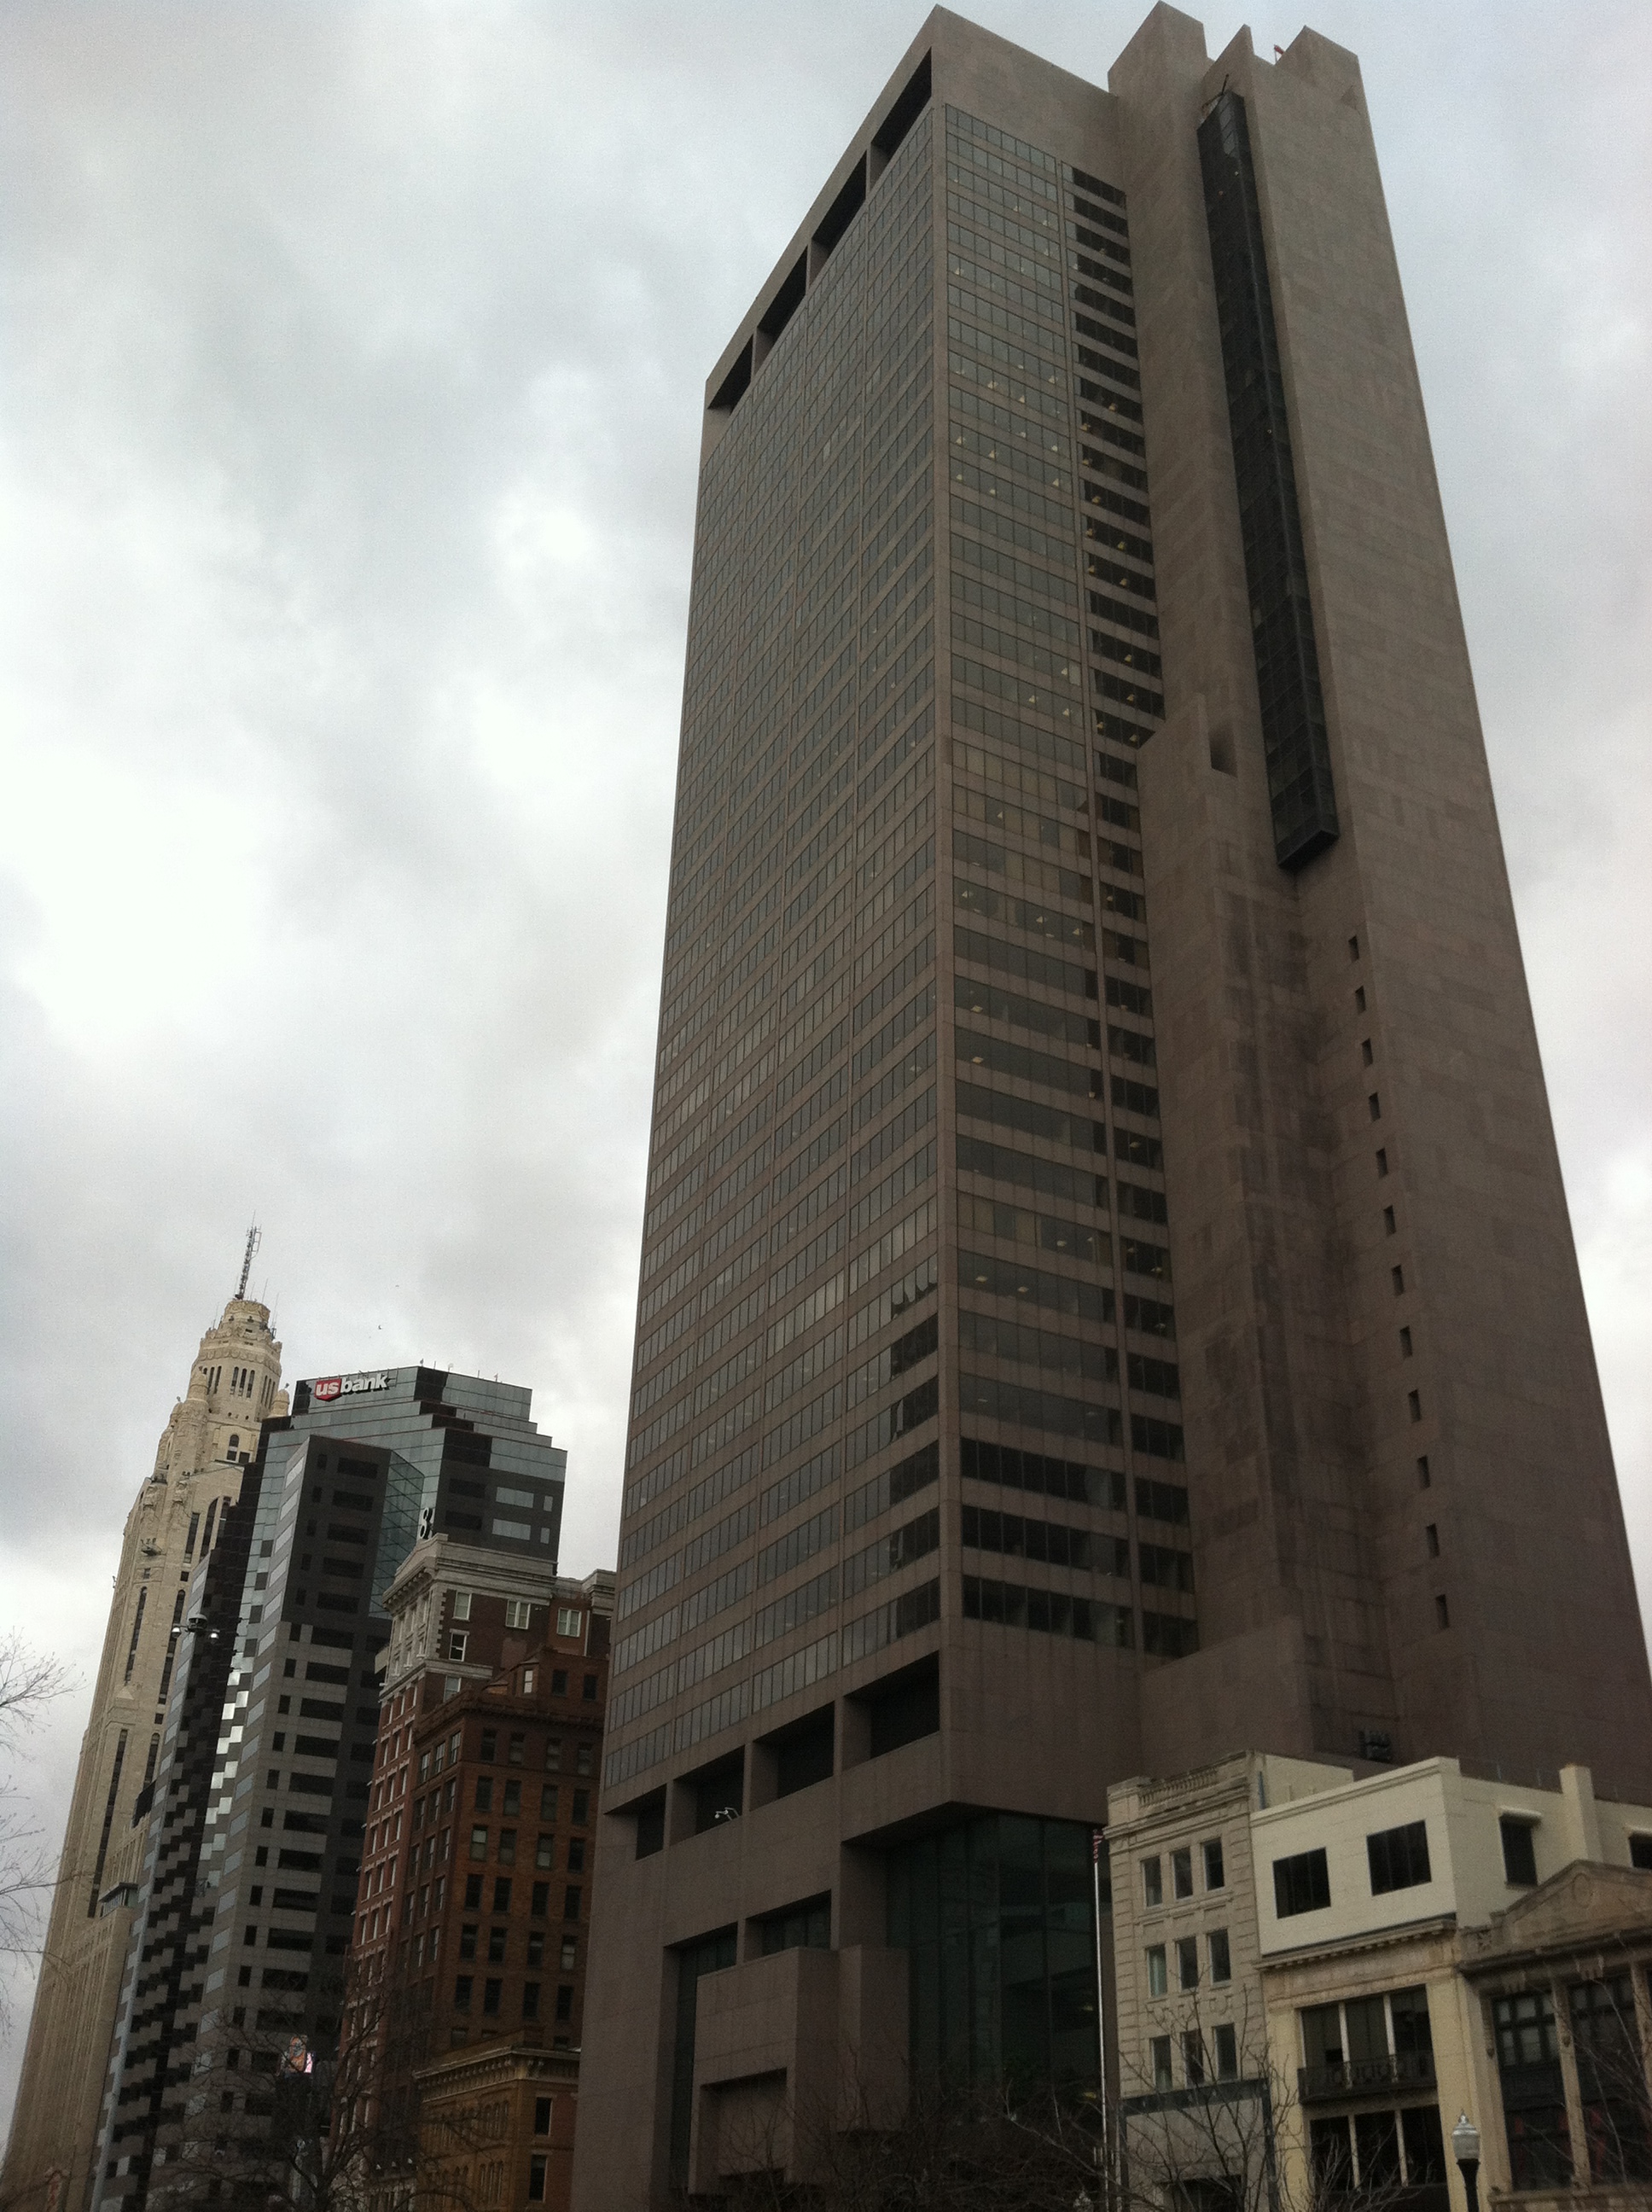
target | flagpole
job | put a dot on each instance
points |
(1096, 1841)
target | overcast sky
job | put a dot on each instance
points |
(352, 367)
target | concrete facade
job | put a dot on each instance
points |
(175, 1520)
(1107, 1291)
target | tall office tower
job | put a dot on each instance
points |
(248, 1889)
(475, 1877)
(1107, 1293)
(175, 1523)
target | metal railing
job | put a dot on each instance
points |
(1366, 2077)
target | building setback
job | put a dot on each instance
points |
(476, 1877)
(1107, 1292)
(177, 1518)
(248, 1891)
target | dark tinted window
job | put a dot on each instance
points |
(1519, 1853)
(1399, 1857)
(1301, 1883)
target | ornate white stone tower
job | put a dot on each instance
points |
(212, 1434)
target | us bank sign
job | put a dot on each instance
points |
(347, 1386)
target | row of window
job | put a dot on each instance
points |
(492, 1995)
(1200, 2063)
(1185, 1952)
(1210, 1862)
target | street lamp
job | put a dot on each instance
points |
(1466, 2143)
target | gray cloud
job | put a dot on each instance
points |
(348, 467)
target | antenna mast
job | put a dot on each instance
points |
(254, 1238)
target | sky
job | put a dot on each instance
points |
(350, 391)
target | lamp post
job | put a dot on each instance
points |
(1466, 2143)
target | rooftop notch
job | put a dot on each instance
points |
(822, 240)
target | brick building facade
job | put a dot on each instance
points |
(478, 1859)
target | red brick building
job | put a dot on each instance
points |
(478, 1863)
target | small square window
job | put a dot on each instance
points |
(1301, 1884)
(570, 1621)
(1215, 1874)
(1188, 1962)
(1158, 1984)
(518, 1612)
(1152, 1882)
(1158, 2060)
(1182, 1873)
(1221, 1957)
(1399, 1858)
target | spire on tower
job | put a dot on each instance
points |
(254, 1238)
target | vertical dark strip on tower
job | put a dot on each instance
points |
(1276, 569)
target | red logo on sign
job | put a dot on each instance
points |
(328, 1387)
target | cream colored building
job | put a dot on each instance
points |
(235, 1383)
(1330, 1970)
(1482, 1948)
